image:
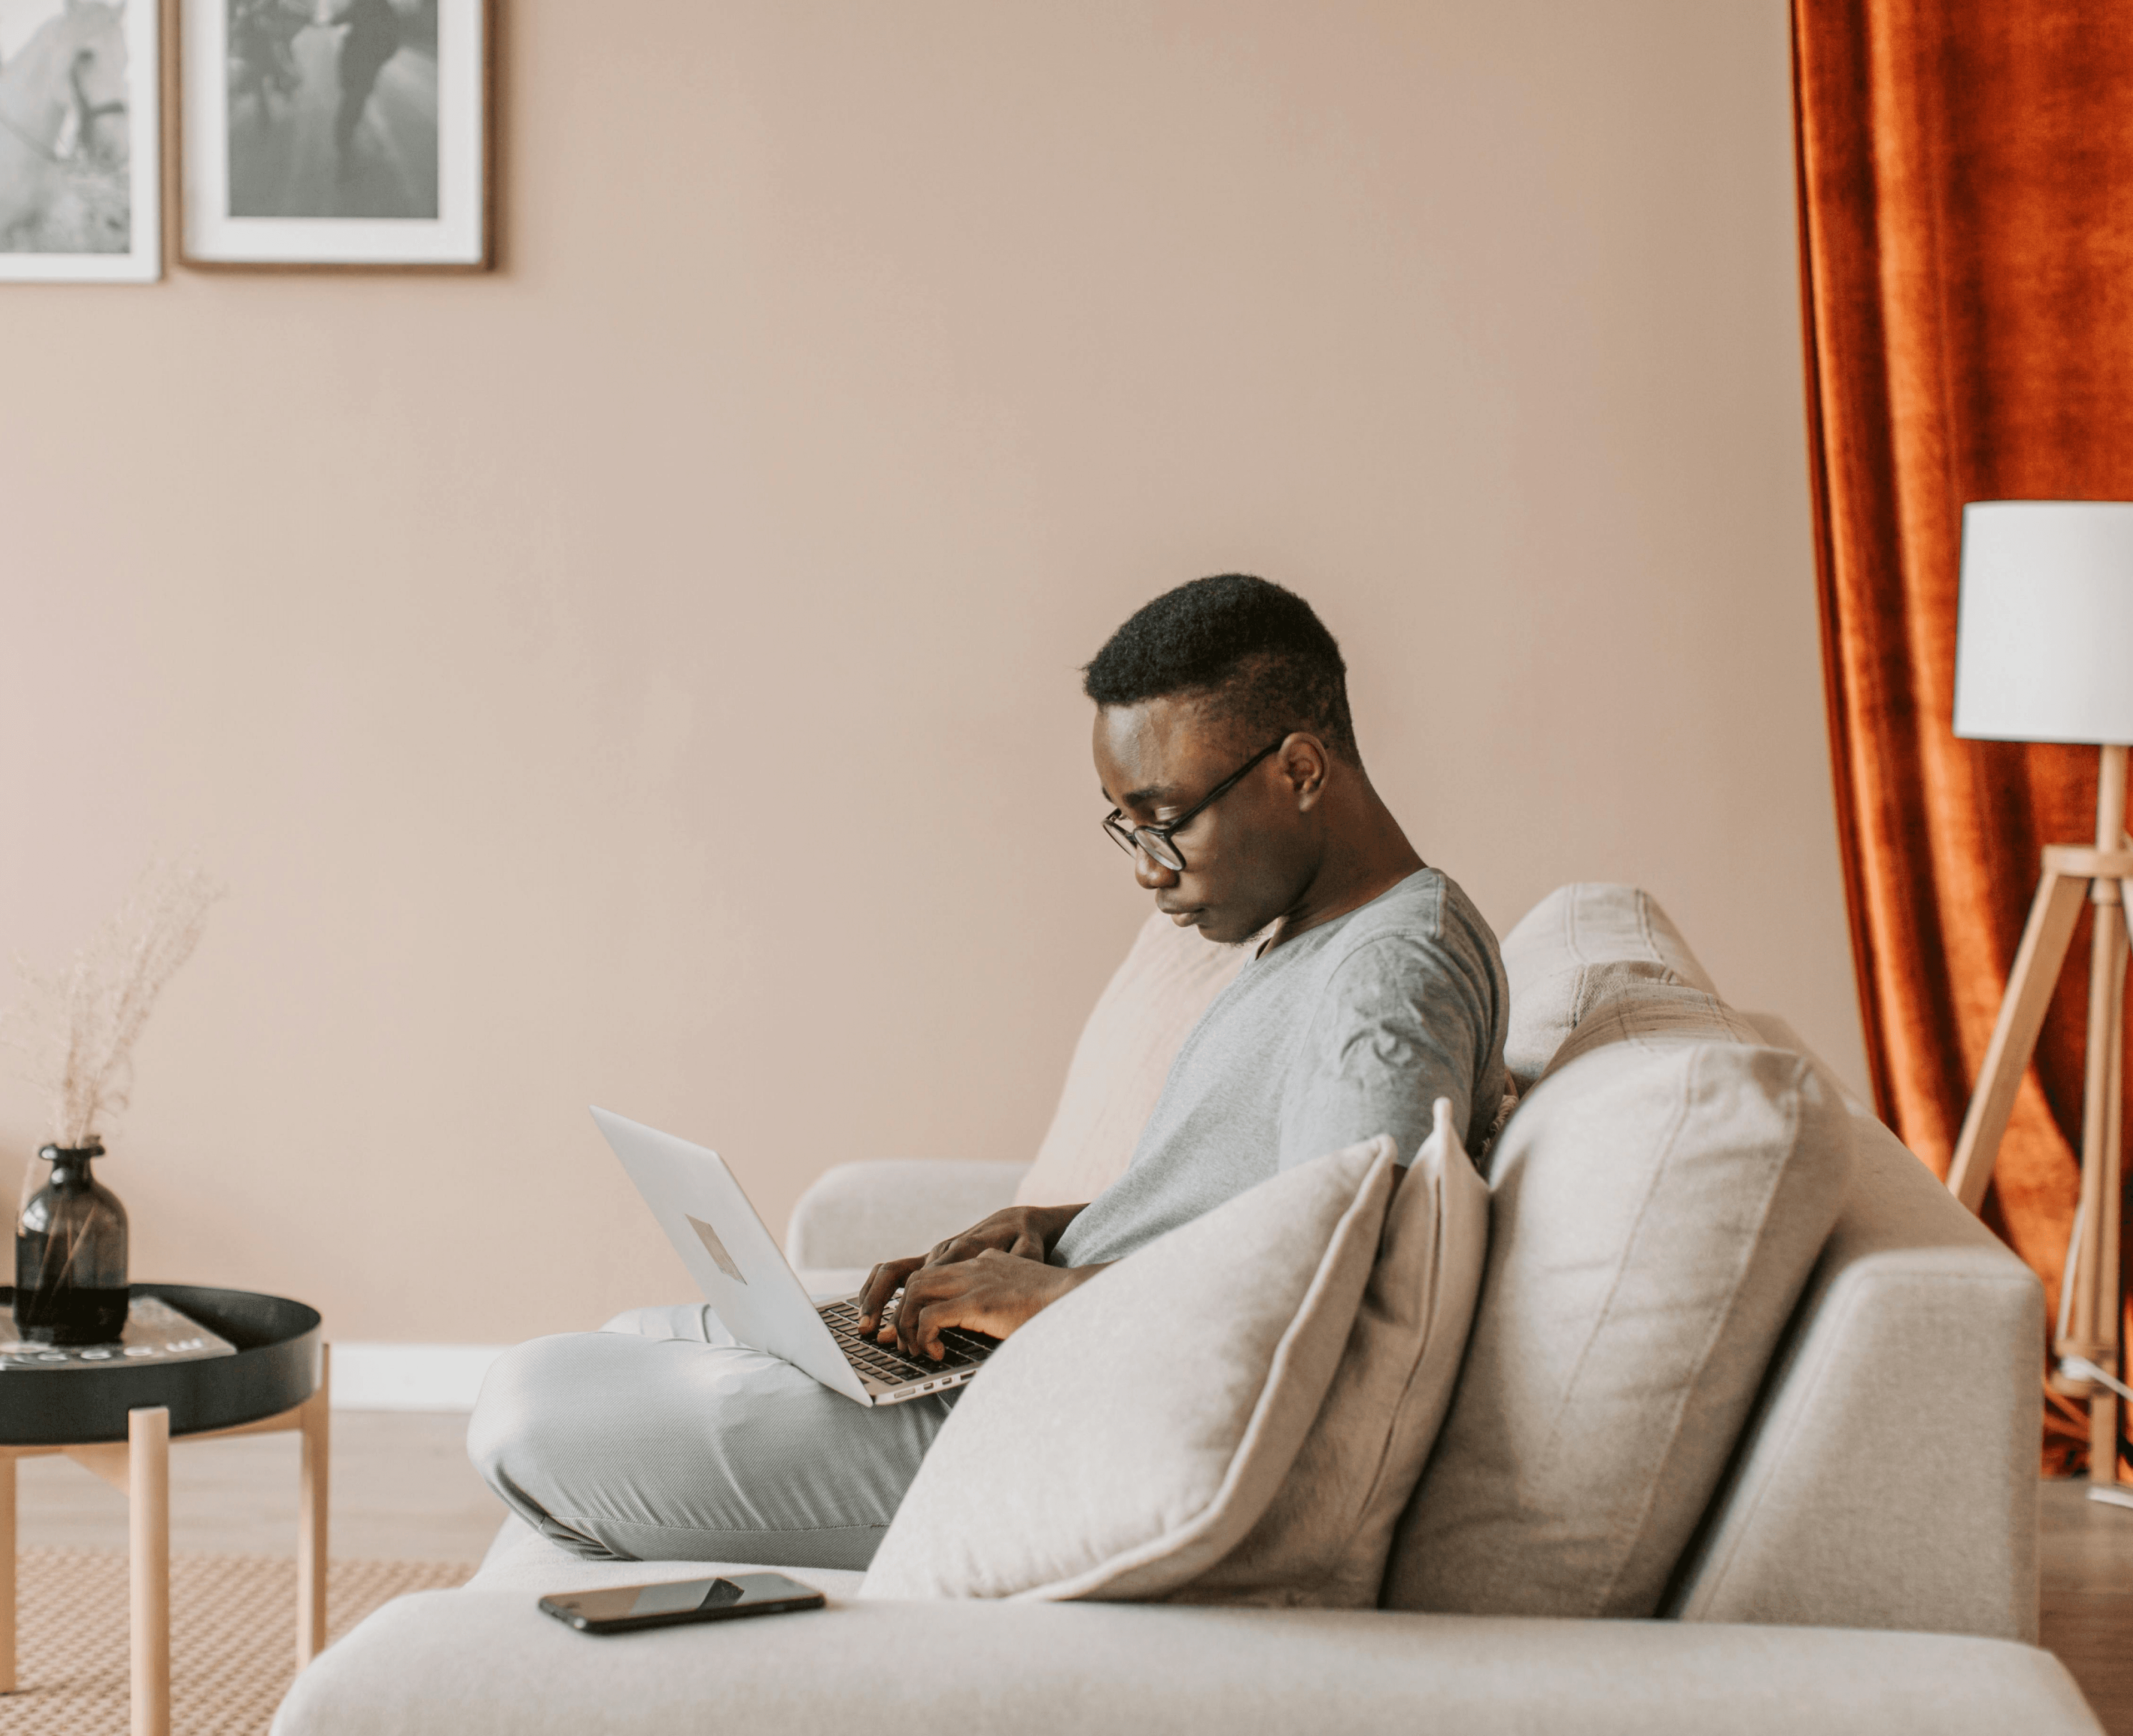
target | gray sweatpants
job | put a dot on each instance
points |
(658, 1437)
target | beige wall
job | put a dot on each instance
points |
(647, 675)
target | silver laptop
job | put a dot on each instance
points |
(744, 1275)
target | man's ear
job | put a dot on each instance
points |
(1304, 763)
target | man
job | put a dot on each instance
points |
(372, 39)
(1223, 740)
(1224, 743)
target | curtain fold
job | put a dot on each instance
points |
(1965, 182)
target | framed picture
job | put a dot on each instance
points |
(80, 166)
(336, 134)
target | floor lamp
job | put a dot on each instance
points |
(2044, 653)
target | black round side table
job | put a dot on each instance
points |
(119, 1421)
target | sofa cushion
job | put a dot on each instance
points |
(1657, 1209)
(1325, 1539)
(1579, 947)
(488, 1663)
(1649, 1014)
(1165, 982)
(1130, 1435)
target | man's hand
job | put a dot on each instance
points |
(993, 1293)
(1025, 1232)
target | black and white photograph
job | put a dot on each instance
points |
(79, 173)
(335, 132)
(333, 109)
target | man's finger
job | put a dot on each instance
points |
(875, 1291)
(926, 1335)
(881, 1284)
(866, 1294)
(1027, 1246)
(891, 1311)
(927, 1294)
(918, 1285)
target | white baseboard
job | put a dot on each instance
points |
(410, 1376)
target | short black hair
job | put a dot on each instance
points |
(1255, 651)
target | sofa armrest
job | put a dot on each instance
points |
(1777, 1032)
(1888, 1477)
(857, 1213)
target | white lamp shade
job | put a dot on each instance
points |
(2044, 623)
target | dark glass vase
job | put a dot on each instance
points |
(70, 1256)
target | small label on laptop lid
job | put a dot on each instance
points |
(715, 1248)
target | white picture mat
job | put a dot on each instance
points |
(455, 236)
(142, 263)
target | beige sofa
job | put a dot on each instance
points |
(1867, 1562)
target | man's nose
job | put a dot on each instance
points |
(1152, 875)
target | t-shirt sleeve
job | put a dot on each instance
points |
(1403, 1022)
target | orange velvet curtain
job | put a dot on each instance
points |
(1966, 179)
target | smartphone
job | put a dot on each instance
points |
(618, 1609)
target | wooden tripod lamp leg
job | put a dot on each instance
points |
(2104, 1405)
(148, 1493)
(2045, 939)
(311, 1520)
(2093, 1325)
(2092, 1328)
(2092, 1304)
(2091, 1315)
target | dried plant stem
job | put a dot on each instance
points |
(76, 1029)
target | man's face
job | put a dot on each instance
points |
(1248, 858)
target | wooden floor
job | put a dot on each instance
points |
(2086, 1560)
(403, 1490)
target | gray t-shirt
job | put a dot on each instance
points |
(1354, 1027)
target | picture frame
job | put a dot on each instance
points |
(337, 135)
(81, 131)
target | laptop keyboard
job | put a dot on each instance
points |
(960, 1349)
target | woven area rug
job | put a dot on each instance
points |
(233, 1636)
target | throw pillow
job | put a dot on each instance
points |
(1656, 1213)
(1130, 1436)
(1649, 1015)
(1325, 1539)
(1579, 946)
(1154, 998)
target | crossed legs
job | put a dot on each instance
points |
(658, 1437)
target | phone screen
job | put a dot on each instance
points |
(618, 1607)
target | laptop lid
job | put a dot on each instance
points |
(733, 1258)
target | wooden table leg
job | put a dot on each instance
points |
(6, 1572)
(148, 1491)
(311, 1519)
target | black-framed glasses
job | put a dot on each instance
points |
(1156, 841)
